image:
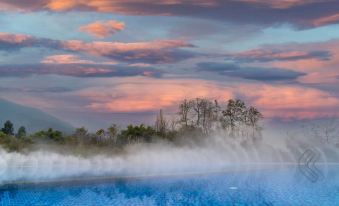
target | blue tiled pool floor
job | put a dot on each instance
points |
(268, 187)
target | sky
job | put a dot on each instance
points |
(94, 62)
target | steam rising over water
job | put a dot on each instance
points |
(216, 154)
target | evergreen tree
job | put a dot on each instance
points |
(8, 128)
(21, 132)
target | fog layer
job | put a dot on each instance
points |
(217, 153)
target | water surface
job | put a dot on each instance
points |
(275, 186)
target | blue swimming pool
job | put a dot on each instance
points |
(275, 186)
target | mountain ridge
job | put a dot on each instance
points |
(31, 118)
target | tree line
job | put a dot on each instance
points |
(198, 118)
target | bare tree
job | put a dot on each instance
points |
(185, 108)
(199, 113)
(216, 111)
(198, 107)
(208, 115)
(253, 116)
(161, 124)
(237, 119)
(173, 124)
(234, 115)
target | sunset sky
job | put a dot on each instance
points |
(93, 62)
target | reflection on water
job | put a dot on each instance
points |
(277, 186)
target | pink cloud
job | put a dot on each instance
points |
(281, 4)
(140, 65)
(319, 71)
(141, 94)
(119, 47)
(109, 6)
(274, 54)
(14, 38)
(123, 6)
(159, 51)
(99, 70)
(102, 29)
(319, 61)
(292, 101)
(326, 20)
(10, 41)
(120, 7)
(266, 12)
(65, 59)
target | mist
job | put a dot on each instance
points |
(216, 153)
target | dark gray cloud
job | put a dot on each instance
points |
(158, 51)
(77, 70)
(10, 42)
(156, 57)
(262, 55)
(253, 73)
(36, 90)
(301, 13)
(153, 52)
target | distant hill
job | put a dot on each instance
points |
(33, 119)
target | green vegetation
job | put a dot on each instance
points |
(196, 120)
(21, 132)
(8, 128)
